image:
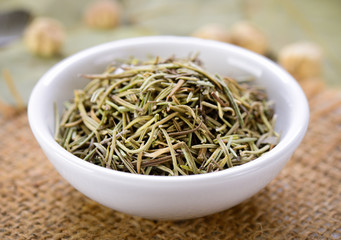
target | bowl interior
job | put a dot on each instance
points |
(227, 60)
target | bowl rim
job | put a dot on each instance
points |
(287, 143)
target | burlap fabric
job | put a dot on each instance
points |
(303, 202)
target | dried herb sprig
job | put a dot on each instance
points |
(166, 117)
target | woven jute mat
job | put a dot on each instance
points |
(303, 202)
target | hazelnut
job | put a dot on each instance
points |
(302, 60)
(246, 35)
(213, 32)
(44, 37)
(103, 14)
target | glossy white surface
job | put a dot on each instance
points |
(160, 197)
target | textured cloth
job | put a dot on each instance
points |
(302, 202)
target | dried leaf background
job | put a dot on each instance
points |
(283, 21)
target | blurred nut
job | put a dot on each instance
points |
(246, 35)
(44, 37)
(302, 60)
(213, 32)
(103, 14)
(312, 86)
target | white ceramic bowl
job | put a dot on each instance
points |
(169, 197)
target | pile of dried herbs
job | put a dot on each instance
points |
(167, 117)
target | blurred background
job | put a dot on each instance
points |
(79, 24)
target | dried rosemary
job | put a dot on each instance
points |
(167, 117)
